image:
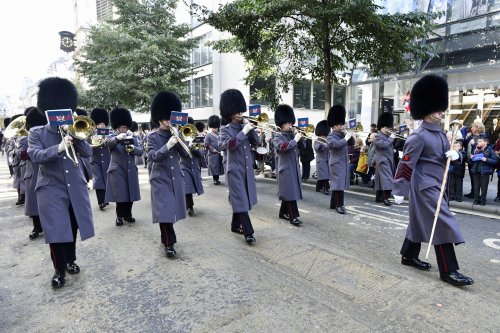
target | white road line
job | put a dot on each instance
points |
(376, 217)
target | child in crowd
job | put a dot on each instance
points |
(484, 161)
(457, 172)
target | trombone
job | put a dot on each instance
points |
(175, 133)
(262, 121)
(83, 127)
(189, 133)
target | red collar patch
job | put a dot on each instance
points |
(406, 158)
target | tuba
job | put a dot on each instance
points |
(16, 127)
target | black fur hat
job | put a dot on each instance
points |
(284, 114)
(223, 122)
(145, 127)
(99, 115)
(231, 102)
(428, 95)
(120, 117)
(35, 118)
(386, 119)
(163, 104)
(190, 120)
(336, 115)
(135, 126)
(214, 121)
(81, 112)
(200, 126)
(6, 122)
(56, 93)
(28, 109)
(152, 125)
(322, 128)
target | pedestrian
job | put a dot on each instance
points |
(420, 173)
(470, 142)
(215, 164)
(338, 158)
(362, 167)
(168, 196)
(457, 173)
(384, 158)
(286, 143)
(61, 190)
(484, 161)
(321, 148)
(122, 184)
(237, 140)
(101, 157)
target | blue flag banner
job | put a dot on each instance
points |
(352, 123)
(102, 131)
(178, 118)
(59, 117)
(254, 110)
(302, 122)
(402, 129)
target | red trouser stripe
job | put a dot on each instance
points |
(442, 257)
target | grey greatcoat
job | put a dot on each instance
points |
(420, 173)
(16, 176)
(384, 162)
(239, 175)
(99, 163)
(338, 161)
(122, 184)
(192, 172)
(138, 159)
(30, 179)
(287, 166)
(168, 198)
(84, 163)
(60, 183)
(215, 167)
(322, 171)
(21, 152)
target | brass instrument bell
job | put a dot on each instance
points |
(16, 127)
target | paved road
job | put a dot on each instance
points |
(335, 273)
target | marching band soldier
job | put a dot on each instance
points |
(384, 158)
(61, 189)
(21, 156)
(420, 173)
(12, 150)
(200, 126)
(145, 130)
(236, 139)
(6, 144)
(322, 173)
(122, 185)
(191, 166)
(338, 158)
(287, 144)
(84, 162)
(168, 199)
(101, 157)
(135, 134)
(33, 119)
(215, 167)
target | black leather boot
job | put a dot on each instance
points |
(119, 221)
(72, 268)
(170, 251)
(58, 279)
(456, 279)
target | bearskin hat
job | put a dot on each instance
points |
(28, 109)
(145, 127)
(120, 117)
(336, 115)
(135, 126)
(99, 115)
(163, 104)
(386, 119)
(152, 125)
(56, 93)
(81, 112)
(35, 118)
(322, 128)
(284, 114)
(223, 122)
(231, 102)
(200, 126)
(190, 120)
(428, 95)
(214, 121)
(6, 122)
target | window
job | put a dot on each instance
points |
(319, 96)
(104, 10)
(302, 95)
(200, 91)
(202, 54)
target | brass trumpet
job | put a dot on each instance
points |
(262, 122)
(83, 127)
(308, 131)
(16, 128)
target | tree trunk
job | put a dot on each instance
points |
(328, 66)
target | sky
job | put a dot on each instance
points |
(29, 39)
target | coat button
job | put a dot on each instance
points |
(172, 168)
(69, 185)
(67, 171)
(64, 157)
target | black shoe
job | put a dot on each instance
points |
(238, 231)
(456, 279)
(459, 200)
(129, 219)
(190, 212)
(415, 262)
(119, 221)
(106, 203)
(58, 279)
(35, 233)
(72, 268)
(326, 192)
(476, 202)
(250, 239)
(284, 217)
(216, 182)
(20, 202)
(387, 202)
(296, 222)
(170, 251)
(483, 203)
(469, 195)
(102, 206)
(340, 210)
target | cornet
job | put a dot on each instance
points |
(83, 127)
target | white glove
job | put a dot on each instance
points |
(347, 136)
(453, 154)
(66, 141)
(247, 128)
(393, 135)
(121, 136)
(172, 142)
(297, 137)
(398, 199)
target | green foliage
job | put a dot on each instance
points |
(129, 59)
(291, 39)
